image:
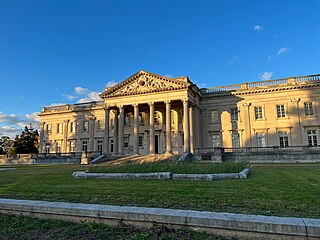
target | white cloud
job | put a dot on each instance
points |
(111, 84)
(81, 90)
(12, 124)
(283, 50)
(168, 75)
(91, 96)
(258, 28)
(266, 76)
(70, 97)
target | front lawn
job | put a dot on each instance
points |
(282, 190)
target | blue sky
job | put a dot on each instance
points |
(68, 51)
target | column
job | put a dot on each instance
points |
(168, 128)
(191, 128)
(247, 133)
(297, 130)
(91, 130)
(115, 132)
(106, 129)
(42, 145)
(121, 129)
(152, 141)
(65, 136)
(136, 129)
(186, 147)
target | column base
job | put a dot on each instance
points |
(168, 153)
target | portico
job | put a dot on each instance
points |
(149, 114)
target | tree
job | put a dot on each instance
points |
(5, 144)
(27, 141)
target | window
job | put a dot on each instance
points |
(84, 145)
(172, 116)
(85, 126)
(261, 139)
(48, 129)
(141, 140)
(59, 128)
(281, 111)
(216, 140)
(47, 147)
(100, 124)
(126, 141)
(234, 114)
(99, 145)
(312, 138)
(126, 120)
(258, 113)
(283, 139)
(156, 118)
(73, 127)
(214, 117)
(308, 109)
(235, 140)
(112, 123)
(72, 145)
(141, 122)
(58, 150)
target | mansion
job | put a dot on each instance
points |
(152, 114)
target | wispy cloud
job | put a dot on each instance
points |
(111, 84)
(169, 75)
(81, 90)
(283, 50)
(233, 60)
(83, 95)
(11, 124)
(258, 28)
(269, 57)
(266, 76)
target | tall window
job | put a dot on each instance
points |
(308, 109)
(85, 126)
(258, 112)
(48, 129)
(99, 145)
(141, 140)
(156, 118)
(126, 120)
(58, 150)
(73, 127)
(100, 124)
(59, 128)
(283, 139)
(235, 140)
(84, 145)
(72, 145)
(261, 139)
(234, 114)
(126, 141)
(47, 147)
(312, 138)
(281, 111)
(216, 140)
(141, 122)
(214, 117)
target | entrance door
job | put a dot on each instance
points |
(111, 145)
(156, 148)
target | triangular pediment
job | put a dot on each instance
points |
(145, 82)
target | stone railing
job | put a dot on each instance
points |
(78, 106)
(268, 83)
(273, 154)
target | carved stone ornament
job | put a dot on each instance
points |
(143, 83)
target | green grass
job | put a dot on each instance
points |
(282, 190)
(22, 227)
(186, 167)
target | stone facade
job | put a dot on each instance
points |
(133, 115)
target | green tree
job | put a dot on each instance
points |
(26, 142)
(5, 144)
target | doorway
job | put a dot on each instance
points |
(111, 145)
(156, 147)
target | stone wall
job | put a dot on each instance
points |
(36, 159)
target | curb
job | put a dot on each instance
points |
(164, 175)
(225, 224)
